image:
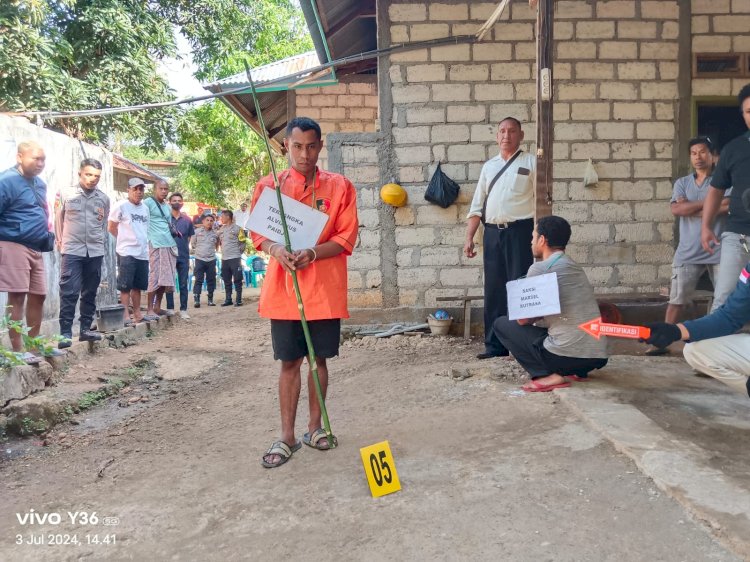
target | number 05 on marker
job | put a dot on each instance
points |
(380, 469)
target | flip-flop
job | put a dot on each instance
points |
(28, 358)
(284, 451)
(313, 439)
(538, 387)
(657, 351)
(577, 378)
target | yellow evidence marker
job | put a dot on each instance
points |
(380, 469)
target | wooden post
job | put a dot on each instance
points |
(544, 94)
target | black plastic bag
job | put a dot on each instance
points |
(442, 190)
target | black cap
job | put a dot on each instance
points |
(701, 140)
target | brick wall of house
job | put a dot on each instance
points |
(349, 106)
(720, 26)
(616, 97)
(361, 164)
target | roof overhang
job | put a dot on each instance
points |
(340, 28)
(272, 82)
(133, 170)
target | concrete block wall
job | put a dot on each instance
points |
(445, 103)
(359, 157)
(349, 106)
(617, 67)
(61, 175)
(720, 26)
(616, 100)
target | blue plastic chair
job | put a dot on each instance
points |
(258, 268)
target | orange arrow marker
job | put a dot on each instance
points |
(597, 328)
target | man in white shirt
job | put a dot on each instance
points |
(128, 222)
(241, 216)
(504, 203)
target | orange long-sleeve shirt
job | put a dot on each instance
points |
(323, 284)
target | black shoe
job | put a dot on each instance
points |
(211, 302)
(491, 354)
(197, 303)
(656, 351)
(238, 303)
(88, 335)
(65, 342)
(227, 303)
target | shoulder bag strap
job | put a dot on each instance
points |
(494, 180)
(158, 206)
(172, 228)
(39, 200)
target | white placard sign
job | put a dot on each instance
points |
(532, 297)
(305, 224)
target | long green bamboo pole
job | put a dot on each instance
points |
(287, 244)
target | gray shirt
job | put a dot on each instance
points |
(229, 237)
(577, 305)
(204, 244)
(82, 223)
(689, 250)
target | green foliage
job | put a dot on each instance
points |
(223, 157)
(8, 357)
(84, 54)
(30, 426)
(91, 399)
(223, 33)
(42, 344)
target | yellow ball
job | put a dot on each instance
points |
(393, 194)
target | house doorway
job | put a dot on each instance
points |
(718, 119)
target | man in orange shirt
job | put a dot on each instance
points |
(322, 276)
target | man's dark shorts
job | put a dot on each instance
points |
(289, 340)
(132, 273)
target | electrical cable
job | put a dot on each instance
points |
(52, 115)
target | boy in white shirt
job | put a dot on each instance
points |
(128, 222)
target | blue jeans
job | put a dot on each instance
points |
(733, 259)
(183, 271)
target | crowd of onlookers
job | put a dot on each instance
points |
(155, 245)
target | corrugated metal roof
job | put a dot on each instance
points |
(131, 169)
(269, 72)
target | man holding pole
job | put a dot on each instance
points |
(322, 277)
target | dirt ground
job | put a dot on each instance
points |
(487, 473)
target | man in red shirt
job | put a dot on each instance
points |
(322, 276)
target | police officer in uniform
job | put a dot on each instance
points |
(82, 239)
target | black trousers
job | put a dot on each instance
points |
(79, 277)
(232, 269)
(526, 343)
(183, 273)
(204, 270)
(507, 256)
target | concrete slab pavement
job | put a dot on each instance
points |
(687, 432)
